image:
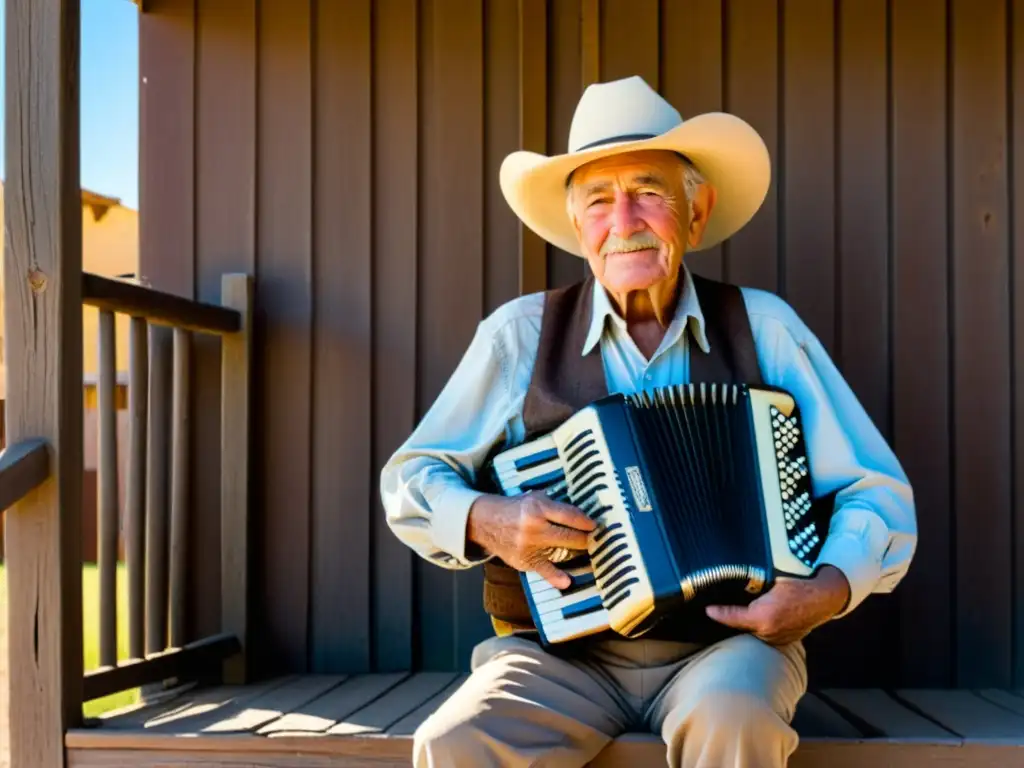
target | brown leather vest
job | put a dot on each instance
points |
(564, 381)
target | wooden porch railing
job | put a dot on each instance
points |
(157, 491)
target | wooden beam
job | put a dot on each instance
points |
(533, 121)
(156, 306)
(194, 660)
(23, 467)
(43, 345)
(236, 449)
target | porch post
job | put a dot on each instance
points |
(43, 345)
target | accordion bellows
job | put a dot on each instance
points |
(702, 494)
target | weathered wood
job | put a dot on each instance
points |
(187, 663)
(42, 309)
(699, 23)
(135, 509)
(23, 468)
(980, 288)
(180, 457)
(340, 544)
(409, 723)
(814, 717)
(108, 523)
(882, 715)
(395, 309)
(156, 306)
(398, 702)
(965, 713)
(293, 695)
(323, 713)
(236, 450)
(921, 329)
(157, 486)
(533, 262)
(1016, 214)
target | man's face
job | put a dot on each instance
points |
(633, 220)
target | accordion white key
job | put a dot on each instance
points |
(702, 494)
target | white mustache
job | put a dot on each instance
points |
(641, 241)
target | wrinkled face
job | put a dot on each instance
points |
(633, 219)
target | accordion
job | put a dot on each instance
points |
(701, 494)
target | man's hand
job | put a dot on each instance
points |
(522, 531)
(790, 609)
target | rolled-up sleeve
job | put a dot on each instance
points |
(873, 533)
(428, 485)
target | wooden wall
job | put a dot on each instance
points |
(348, 156)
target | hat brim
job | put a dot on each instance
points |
(726, 150)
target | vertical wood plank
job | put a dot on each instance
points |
(920, 329)
(157, 486)
(752, 92)
(855, 652)
(691, 81)
(573, 44)
(236, 476)
(135, 510)
(108, 522)
(533, 262)
(807, 162)
(342, 367)
(506, 95)
(629, 40)
(167, 91)
(180, 457)
(225, 231)
(981, 320)
(452, 239)
(395, 308)
(862, 260)
(43, 344)
(284, 317)
(1016, 105)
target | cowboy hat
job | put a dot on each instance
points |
(628, 115)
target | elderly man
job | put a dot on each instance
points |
(638, 188)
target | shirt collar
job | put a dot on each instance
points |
(688, 312)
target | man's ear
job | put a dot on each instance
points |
(701, 206)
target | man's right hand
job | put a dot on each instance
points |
(522, 530)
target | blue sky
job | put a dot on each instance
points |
(110, 98)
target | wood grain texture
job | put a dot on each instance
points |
(920, 330)
(42, 311)
(880, 715)
(981, 338)
(236, 476)
(158, 454)
(533, 39)
(395, 309)
(135, 504)
(965, 713)
(752, 69)
(334, 706)
(1016, 213)
(108, 522)
(388, 709)
(451, 235)
(180, 488)
(692, 82)
(506, 95)
(573, 63)
(284, 268)
(225, 242)
(24, 466)
(342, 341)
(167, 119)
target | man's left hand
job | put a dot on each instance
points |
(790, 609)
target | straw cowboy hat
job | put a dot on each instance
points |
(627, 115)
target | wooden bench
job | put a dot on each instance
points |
(369, 720)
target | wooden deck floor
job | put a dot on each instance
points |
(368, 720)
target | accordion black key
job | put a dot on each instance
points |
(702, 494)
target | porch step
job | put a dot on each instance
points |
(357, 720)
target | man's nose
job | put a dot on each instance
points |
(624, 219)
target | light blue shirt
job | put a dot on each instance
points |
(426, 487)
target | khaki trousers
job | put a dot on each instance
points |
(718, 706)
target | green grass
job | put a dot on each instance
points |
(91, 634)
